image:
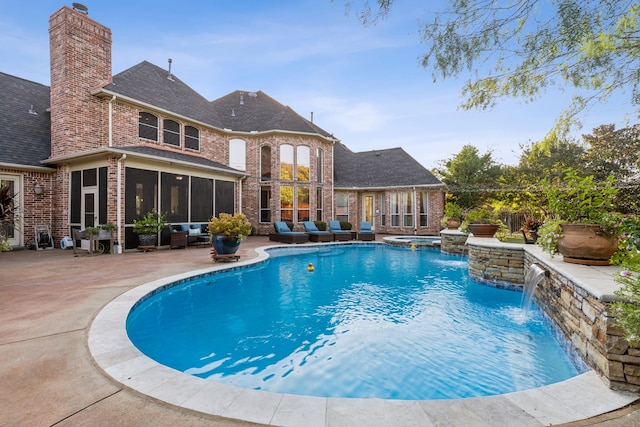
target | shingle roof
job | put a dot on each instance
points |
(238, 111)
(25, 138)
(256, 111)
(379, 168)
(151, 84)
(173, 155)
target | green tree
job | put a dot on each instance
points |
(616, 152)
(612, 152)
(518, 48)
(471, 177)
(549, 159)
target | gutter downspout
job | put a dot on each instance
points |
(240, 193)
(415, 212)
(119, 200)
(333, 180)
(111, 124)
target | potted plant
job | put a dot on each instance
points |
(452, 218)
(481, 222)
(148, 227)
(227, 231)
(581, 217)
(530, 228)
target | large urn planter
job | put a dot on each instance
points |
(146, 240)
(225, 245)
(584, 244)
(483, 230)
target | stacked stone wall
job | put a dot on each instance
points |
(499, 264)
(584, 318)
(453, 242)
(586, 322)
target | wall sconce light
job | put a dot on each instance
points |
(37, 188)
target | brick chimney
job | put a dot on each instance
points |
(80, 51)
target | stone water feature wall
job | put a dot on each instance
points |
(581, 314)
(453, 242)
(493, 262)
(584, 319)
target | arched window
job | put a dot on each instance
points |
(171, 132)
(303, 163)
(191, 138)
(265, 163)
(147, 126)
(238, 154)
(286, 162)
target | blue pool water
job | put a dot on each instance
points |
(369, 321)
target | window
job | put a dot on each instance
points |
(303, 163)
(319, 204)
(148, 126)
(319, 161)
(286, 203)
(238, 154)
(408, 209)
(171, 132)
(303, 204)
(395, 210)
(265, 204)
(265, 163)
(286, 162)
(191, 138)
(383, 210)
(424, 208)
(342, 206)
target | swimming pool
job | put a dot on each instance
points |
(407, 344)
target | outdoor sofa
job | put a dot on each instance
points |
(183, 235)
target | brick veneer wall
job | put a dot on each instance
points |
(80, 50)
(37, 209)
(582, 317)
(435, 210)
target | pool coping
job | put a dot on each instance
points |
(578, 398)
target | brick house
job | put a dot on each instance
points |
(96, 148)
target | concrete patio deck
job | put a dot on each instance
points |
(48, 300)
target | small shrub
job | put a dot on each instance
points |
(321, 225)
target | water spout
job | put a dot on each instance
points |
(534, 276)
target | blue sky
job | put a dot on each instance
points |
(363, 84)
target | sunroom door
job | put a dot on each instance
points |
(10, 223)
(89, 207)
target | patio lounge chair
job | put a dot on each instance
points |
(366, 233)
(316, 235)
(338, 233)
(284, 235)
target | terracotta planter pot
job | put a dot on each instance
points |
(483, 230)
(584, 244)
(452, 224)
